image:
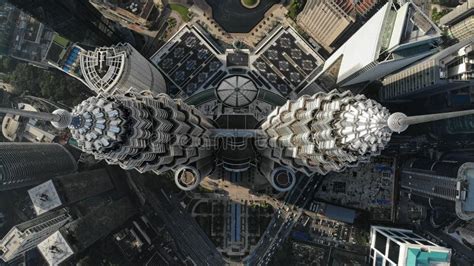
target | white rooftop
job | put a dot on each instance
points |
(55, 249)
(44, 197)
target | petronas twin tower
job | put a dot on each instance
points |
(142, 128)
(313, 134)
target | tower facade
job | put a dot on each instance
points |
(146, 133)
(25, 164)
(118, 69)
(361, 60)
(323, 133)
(441, 184)
(28, 235)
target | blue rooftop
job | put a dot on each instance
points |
(417, 257)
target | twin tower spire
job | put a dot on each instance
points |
(314, 134)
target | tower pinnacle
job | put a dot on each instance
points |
(399, 122)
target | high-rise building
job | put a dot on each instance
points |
(394, 246)
(325, 21)
(339, 141)
(398, 37)
(27, 164)
(460, 21)
(449, 69)
(119, 69)
(446, 185)
(76, 20)
(80, 234)
(27, 235)
(68, 189)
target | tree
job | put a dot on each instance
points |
(51, 85)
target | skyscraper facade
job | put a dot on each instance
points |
(399, 37)
(27, 235)
(447, 185)
(325, 132)
(119, 69)
(26, 164)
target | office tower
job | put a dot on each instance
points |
(27, 235)
(393, 246)
(447, 185)
(325, 21)
(27, 164)
(460, 21)
(119, 69)
(77, 20)
(80, 234)
(68, 189)
(449, 69)
(397, 39)
(327, 132)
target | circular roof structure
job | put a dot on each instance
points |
(237, 91)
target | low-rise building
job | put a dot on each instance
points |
(16, 128)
